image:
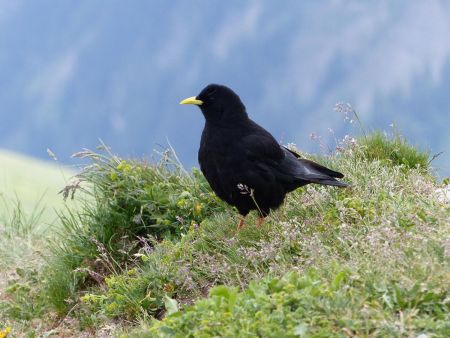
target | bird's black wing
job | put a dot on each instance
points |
(285, 166)
(262, 147)
(306, 171)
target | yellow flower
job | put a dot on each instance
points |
(121, 165)
(132, 272)
(113, 175)
(4, 333)
(181, 203)
(198, 208)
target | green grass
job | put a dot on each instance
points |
(133, 200)
(31, 181)
(152, 252)
(393, 150)
(309, 304)
(29, 203)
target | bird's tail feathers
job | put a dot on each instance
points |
(316, 173)
(320, 169)
(332, 182)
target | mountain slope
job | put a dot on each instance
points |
(29, 180)
(81, 70)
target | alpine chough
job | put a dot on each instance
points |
(244, 164)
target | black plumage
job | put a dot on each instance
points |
(243, 162)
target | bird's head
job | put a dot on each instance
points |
(218, 103)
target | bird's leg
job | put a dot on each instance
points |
(260, 222)
(241, 223)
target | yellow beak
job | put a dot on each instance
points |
(192, 100)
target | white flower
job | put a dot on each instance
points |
(443, 194)
(422, 335)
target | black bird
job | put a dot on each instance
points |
(243, 163)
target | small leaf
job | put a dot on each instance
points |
(301, 330)
(220, 291)
(170, 304)
(338, 280)
(20, 272)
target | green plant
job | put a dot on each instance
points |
(371, 260)
(17, 222)
(390, 149)
(301, 306)
(126, 202)
(393, 150)
(139, 291)
(25, 299)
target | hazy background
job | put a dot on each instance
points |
(75, 71)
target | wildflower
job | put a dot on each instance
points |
(344, 108)
(132, 272)
(4, 333)
(351, 141)
(198, 208)
(244, 189)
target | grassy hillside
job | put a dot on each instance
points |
(30, 180)
(153, 253)
(29, 202)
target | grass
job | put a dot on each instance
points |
(152, 252)
(31, 182)
(133, 200)
(393, 150)
(29, 203)
(308, 304)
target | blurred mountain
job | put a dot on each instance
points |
(76, 71)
